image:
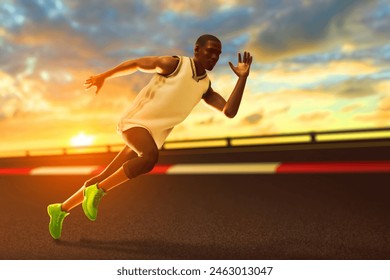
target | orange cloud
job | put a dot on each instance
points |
(314, 116)
(351, 108)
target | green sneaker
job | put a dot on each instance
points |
(92, 197)
(57, 216)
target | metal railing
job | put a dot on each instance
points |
(310, 137)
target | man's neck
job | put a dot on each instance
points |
(199, 69)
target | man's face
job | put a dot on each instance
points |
(208, 54)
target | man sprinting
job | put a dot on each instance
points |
(178, 84)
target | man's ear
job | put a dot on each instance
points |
(196, 49)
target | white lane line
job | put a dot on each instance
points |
(63, 170)
(224, 168)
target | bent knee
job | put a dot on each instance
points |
(141, 165)
(149, 159)
(149, 155)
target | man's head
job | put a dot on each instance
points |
(207, 51)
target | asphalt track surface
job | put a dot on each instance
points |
(273, 216)
(222, 216)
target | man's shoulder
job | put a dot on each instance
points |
(169, 64)
(170, 58)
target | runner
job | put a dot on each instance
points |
(178, 84)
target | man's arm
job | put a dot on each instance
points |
(164, 65)
(230, 108)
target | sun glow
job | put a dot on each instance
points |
(81, 140)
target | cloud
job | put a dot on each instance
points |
(252, 119)
(384, 104)
(353, 88)
(303, 28)
(314, 116)
(20, 97)
(279, 111)
(300, 74)
(380, 117)
(351, 108)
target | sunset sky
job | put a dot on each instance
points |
(318, 65)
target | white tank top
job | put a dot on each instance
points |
(166, 101)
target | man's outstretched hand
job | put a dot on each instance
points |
(244, 65)
(96, 81)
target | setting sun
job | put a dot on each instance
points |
(81, 139)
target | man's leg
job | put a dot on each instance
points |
(77, 198)
(59, 211)
(140, 141)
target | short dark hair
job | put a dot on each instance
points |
(202, 40)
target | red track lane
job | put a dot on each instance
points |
(98, 170)
(160, 169)
(15, 171)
